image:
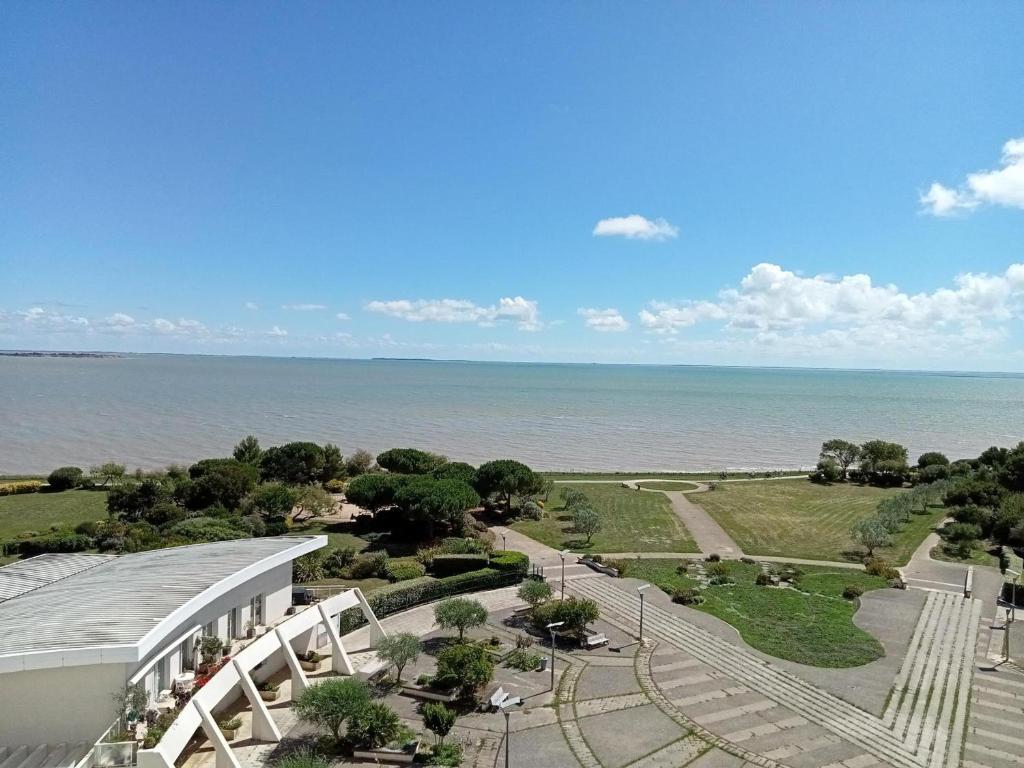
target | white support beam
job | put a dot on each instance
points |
(149, 758)
(263, 726)
(377, 632)
(299, 681)
(340, 662)
(225, 755)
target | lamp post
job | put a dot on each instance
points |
(640, 591)
(504, 546)
(551, 628)
(506, 710)
(562, 555)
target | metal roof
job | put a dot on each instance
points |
(35, 572)
(121, 609)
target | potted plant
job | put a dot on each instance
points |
(250, 630)
(310, 661)
(212, 649)
(228, 727)
(268, 691)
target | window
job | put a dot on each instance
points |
(256, 609)
(232, 624)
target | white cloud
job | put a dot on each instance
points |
(635, 227)
(604, 320)
(524, 312)
(1001, 186)
(278, 332)
(342, 316)
(251, 305)
(304, 307)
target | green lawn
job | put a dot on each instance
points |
(980, 555)
(39, 511)
(632, 521)
(668, 485)
(339, 535)
(568, 477)
(798, 518)
(812, 624)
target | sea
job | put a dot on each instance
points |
(153, 410)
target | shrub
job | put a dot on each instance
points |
(459, 613)
(714, 557)
(400, 649)
(334, 485)
(448, 565)
(310, 567)
(721, 579)
(687, 596)
(63, 478)
(717, 569)
(404, 570)
(230, 725)
(523, 660)
(438, 719)
(465, 667)
(302, 759)
(374, 725)
(510, 560)
(533, 592)
(446, 755)
(531, 511)
(54, 542)
(338, 560)
(576, 613)
(267, 685)
(329, 704)
(878, 566)
(17, 487)
(762, 580)
(853, 591)
(370, 565)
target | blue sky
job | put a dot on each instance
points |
(777, 183)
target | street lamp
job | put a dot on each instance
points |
(551, 628)
(640, 591)
(506, 710)
(562, 555)
(504, 547)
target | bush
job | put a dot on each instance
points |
(717, 569)
(438, 719)
(576, 613)
(853, 591)
(446, 754)
(449, 565)
(334, 485)
(464, 667)
(531, 511)
(310, 567)
(404, 570)
(878, 566)
(721, 579)
(64, 478)
(374, 725)
(338, 560)
(523, 660)
(533, 592)
(687, 596)
(374, 564)
(510, 560)
(302, 759)
(54, 542)
(329, 704)
(17, 487)
(714, 557)
(762, 580)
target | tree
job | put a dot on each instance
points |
(931, 459)
(131, 502)
(314, 501)
(248, 450)
(429, 501)
(63, 478)
(1011, 474)
(828, 471)
(534, 592)
(374, 491)
(374, 725)
(358, 463)
(883, 463)
(506, 478)
(576, 613)
(464, 666)
(456, 470)
(409, 461)
(842, 452)
(1008, 518)
(293, 463)
(217, 481)
(270, 501)
(459, 613)
(334, 463)
(109, 472)
(311, 566)
(329, 704)
(586, 521)
(400, 650)
(871, 534)
(438, 719)
(573, 498)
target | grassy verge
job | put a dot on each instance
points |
(798, 518)
(980, 555)
(812, 624)
(668, 485)
(39, 511)
(630, 522)
(701, 476)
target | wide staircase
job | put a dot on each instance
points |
(43, 756)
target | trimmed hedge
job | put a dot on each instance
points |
(54, 542)
(510, 560)
(406, 594)
(449, 565)
(404, 570)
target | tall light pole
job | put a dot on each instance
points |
(551, 628)
(562, 555)
(504, 546)
(506, 710)
(640, 591)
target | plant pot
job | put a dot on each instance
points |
(229, 735)
(269, 695)
(310, 666)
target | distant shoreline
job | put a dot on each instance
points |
(31, 353)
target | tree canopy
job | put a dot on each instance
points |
(409, 461)
(293, 463)
(505, 478)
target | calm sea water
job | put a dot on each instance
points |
(151, 410)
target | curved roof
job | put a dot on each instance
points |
(118, 610)
(35, 572)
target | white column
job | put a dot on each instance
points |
(377, 632)
(263, 726)
(340, 662)
(152, 758)
(299, 681)
(225, 755)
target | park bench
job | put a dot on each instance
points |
(372, 670)
(494, 699)
(593, 641)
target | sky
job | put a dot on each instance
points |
(808, 184)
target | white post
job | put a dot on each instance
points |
(299, 681)
(340, 662)
(377, 632)
(152, 758)
(225, 755)
(263, 726)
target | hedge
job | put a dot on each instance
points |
(510, 560)
(404, 570)
(16, 487)
(449, 565)
(54, 542)
(406, 594)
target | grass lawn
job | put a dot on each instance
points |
(38, 511)
(980, 555)
(668, 485)
(631, 521)
(339, 535)
(798, 518)
(366, 585)
(570, 476)
(812, 624)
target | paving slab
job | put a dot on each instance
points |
(539, 746)
(601, 682)
(619, 738)
(716, 758)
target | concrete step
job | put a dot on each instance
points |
(15, 756)
(55, 757)
(35, 757)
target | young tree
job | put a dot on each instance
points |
(400, 650)
(871, 534)
(110, 472)
(466, 667)
(334, 463)
(459, 613)
(314, 501)
(586, 521)
(534, 592)
(358, 463)
(573, 498)
(438, 719)
(329, 704)
(248, 450)
(842, 452)
(374, 725)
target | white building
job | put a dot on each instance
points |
(76, 629)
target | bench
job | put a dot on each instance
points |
(494, 699)
(372, 670)
(593, 641)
